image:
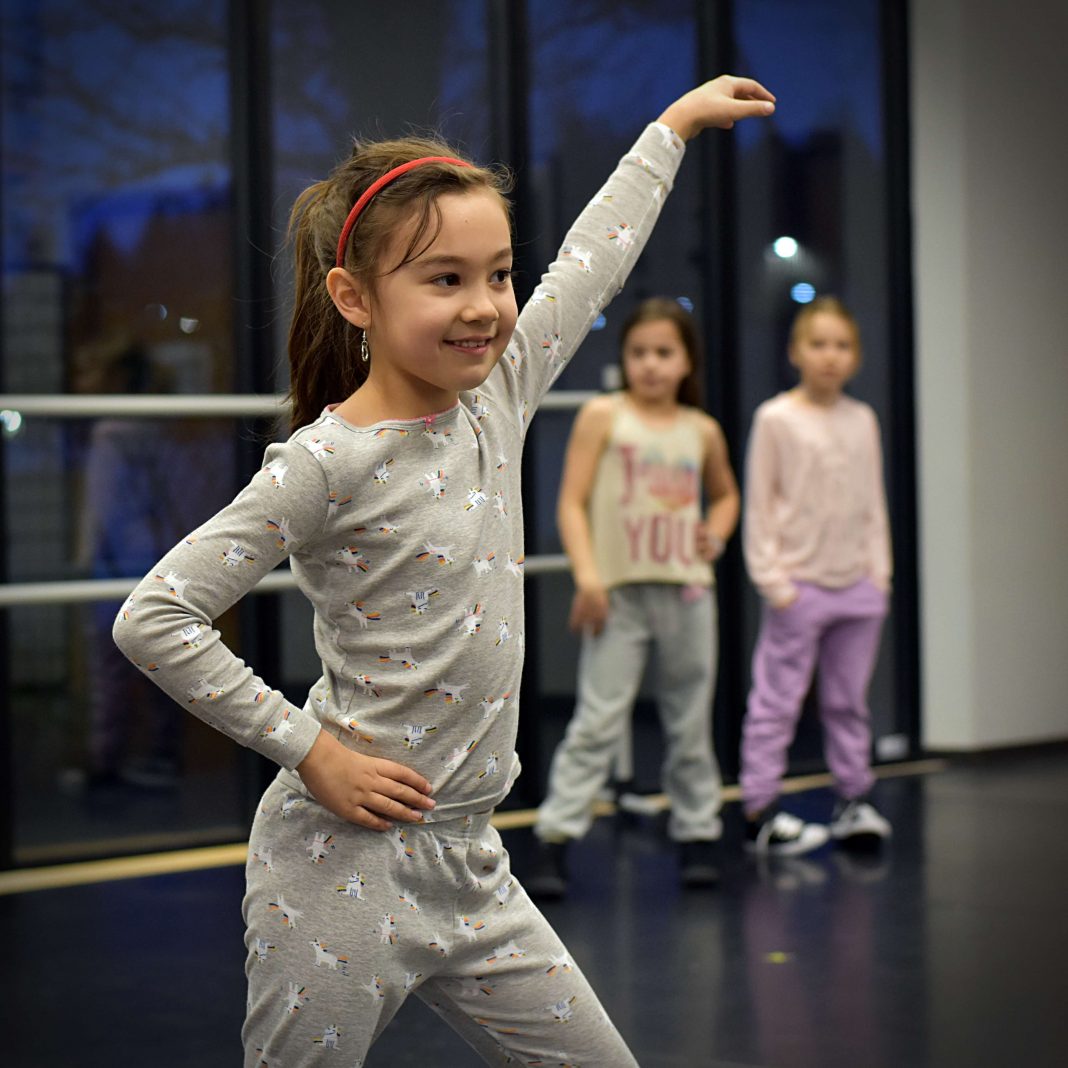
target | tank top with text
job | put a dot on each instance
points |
(645, 506)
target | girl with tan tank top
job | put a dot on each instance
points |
(642, 548)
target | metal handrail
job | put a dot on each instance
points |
(184, 406)
(194, 405)
(15, 594)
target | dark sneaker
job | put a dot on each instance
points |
(779, 834)
(858, 823)
(699, 863)
(547, 880)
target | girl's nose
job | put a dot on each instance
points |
(481, 308)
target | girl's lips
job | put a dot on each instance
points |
(470, 346)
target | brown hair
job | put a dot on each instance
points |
(324, 365)
(657, 309)
(829, 305)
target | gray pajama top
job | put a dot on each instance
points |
(407, 538)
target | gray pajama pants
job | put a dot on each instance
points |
(679, 623)
(343, 923)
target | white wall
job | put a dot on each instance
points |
(990, 203)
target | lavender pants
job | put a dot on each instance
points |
(838, 631)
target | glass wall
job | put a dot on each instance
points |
(150, 157)
(117, 279)
(812, 217)
(816, 173)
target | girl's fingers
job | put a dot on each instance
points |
(365, 818)
(405, 795)
(745, 109)
(390, 808)
(400, 789)
(400, 773)
(748, 87)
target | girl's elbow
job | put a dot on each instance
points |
(123, 636)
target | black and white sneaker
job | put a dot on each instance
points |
(858, 822)
(547, 880)
(780, 834)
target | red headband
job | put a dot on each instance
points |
(380, 183)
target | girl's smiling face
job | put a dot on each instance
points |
(438, 324)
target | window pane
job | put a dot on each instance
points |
(116, 235)
(600, 71)
(815, 173)
(105, 762)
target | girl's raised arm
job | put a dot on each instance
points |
(603, 243)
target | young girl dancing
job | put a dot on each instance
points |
(641, 555)
(373, 868)
(817, 547)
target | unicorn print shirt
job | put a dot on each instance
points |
(407, 538)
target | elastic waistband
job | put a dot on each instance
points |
(450, 824)
(470, 825)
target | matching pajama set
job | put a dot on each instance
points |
(815, 522)
(407, 537)
(645, 507)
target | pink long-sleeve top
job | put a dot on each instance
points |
(815, 506)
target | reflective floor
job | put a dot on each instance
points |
(948, 949)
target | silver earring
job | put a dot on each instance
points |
(365, 352)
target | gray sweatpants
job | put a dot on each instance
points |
(343, 923)
(679, 623)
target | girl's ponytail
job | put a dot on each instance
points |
(322, 343)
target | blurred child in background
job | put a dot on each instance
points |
(641, 554)
(817, 547)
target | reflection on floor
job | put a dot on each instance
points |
(946, 950)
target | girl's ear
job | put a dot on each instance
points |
(350, 296)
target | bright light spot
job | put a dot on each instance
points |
(188, 326)
(599, 323)
(803, 293)
(158, 311)
(685, 302)
(785, 247)
(11, 421)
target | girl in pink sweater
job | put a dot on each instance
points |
(817, 548)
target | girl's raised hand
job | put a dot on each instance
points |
(368, 791)
(720, 102)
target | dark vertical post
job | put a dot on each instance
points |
(716, 158)
(509, 69)
(7, 726)
(253, 240)
(251, 171)
(902, 429)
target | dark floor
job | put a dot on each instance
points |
(948, 950)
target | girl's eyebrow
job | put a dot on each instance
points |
(444, 260)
